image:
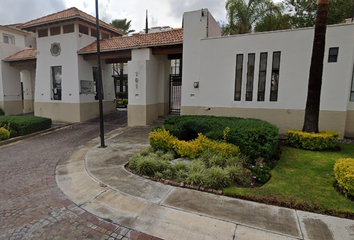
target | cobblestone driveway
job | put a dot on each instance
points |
(32, 206)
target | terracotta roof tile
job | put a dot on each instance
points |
(67, 14)
(26, 54)
(169, 37)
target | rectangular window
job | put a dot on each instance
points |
(105, 35)
(93, 32)
(333, 54)
(238, 78)
(54, 31)
(42, 32)
(262, 76)
(68, 28)
(275, 77)
(9, 39)
(83, 29)
(56, 80)
(250, 76)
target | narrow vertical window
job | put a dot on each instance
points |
(352, 90)
(238, 78)
(333, 54)
(262, 76)
(250, 76)
(275, 77)
(56, 80)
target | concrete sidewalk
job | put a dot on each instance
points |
(96, 180)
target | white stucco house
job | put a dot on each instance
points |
(259, 75)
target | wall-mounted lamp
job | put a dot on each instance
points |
(196, 84)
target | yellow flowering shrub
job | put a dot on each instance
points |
(344, 174)
(162, 139)
(4, 134)
(312, 141)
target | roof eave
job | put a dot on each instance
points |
(136, 47)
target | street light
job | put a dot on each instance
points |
(99, 82)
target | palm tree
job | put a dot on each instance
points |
(315, 79)
(242, 16)
(123, 25)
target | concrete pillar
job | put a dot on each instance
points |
(147, 86)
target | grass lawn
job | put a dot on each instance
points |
(305, 178)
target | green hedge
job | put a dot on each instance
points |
(254, 137)
(23, 125)
(312, 141)
(344, 174)
(2, 112)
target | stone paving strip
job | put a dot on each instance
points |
(96, 180)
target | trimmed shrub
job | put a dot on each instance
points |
(255, 138)
(26, 124)
(2, 112)
(312, 141)
(133, 162)
(344, 174)
(162, 139)
(4, 134)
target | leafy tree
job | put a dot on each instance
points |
(243, 15)
(315, 79)
(304, 11)
(275, 19)
(123, 25)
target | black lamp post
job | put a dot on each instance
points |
(99, 82)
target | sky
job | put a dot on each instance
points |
(161, 12)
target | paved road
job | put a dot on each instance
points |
(31, 205)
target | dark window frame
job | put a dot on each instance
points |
(43, 33)
(83, 29)
(55, 31)
(57, 86)
(250, 76)
(238, 77)
(69, 28)
(274, 85)
(262, 77)
(333, 53)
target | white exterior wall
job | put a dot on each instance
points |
(19, 38)
(10, 81)
(212, 63)
(218, 60)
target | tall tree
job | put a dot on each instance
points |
(243, 15)
(316, 69)
(123, 25)
(274, 19)
(304, 12)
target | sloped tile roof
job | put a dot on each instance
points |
(169, 37)
(26, 54)
(70, 13)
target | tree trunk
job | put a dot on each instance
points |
(315, 79)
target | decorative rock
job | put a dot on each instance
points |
(182, 185)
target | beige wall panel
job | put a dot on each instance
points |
(57, 111)
(28, 105)
(349, 128)
(141, 115)
(12, 107)
(164, 109)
